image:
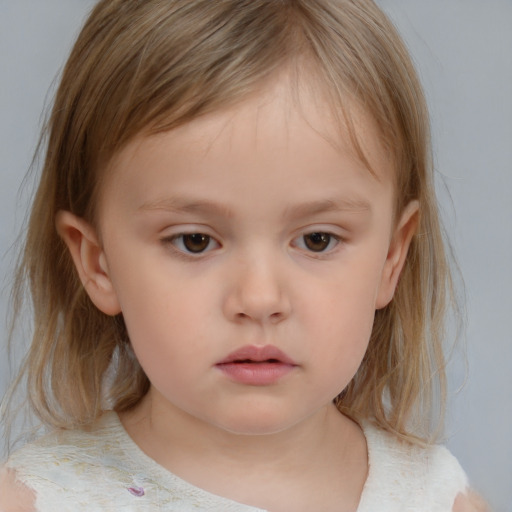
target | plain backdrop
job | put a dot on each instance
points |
(463, 50)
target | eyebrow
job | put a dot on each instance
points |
(182, 205)
(187, 206)
(353, 205)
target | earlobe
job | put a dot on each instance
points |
(397, 254)
(89, 259)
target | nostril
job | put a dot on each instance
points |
(273, 317)
(276, 317)
(246, 303)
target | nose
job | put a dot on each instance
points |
(258, 292)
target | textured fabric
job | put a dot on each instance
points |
(104, 470)
(409, 478)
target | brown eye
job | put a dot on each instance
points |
(195, 242)
(317, 242)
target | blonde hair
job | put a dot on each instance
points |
(153, 65)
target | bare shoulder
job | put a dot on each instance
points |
(14, 496)
(470, 502)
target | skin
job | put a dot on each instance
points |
(257, 180)
(281, 446)
(14, 496)
(470, 502)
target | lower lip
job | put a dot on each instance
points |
(256, 374)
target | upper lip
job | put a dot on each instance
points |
(258, 354)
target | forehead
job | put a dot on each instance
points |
(282, 104)
(281, 131)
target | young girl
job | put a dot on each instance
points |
(236, 268)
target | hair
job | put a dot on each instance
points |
(149, 66)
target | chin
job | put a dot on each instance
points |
(258, 424)
(254, 430)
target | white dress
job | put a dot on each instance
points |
(104, 470)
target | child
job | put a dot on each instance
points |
(236, 268)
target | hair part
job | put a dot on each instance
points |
(150, 66)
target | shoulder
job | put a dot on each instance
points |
(425, 478)
(61, 448)
(425, 464)
(14, 496)
(470, 502)
(65, 467)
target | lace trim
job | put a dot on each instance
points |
(103, 469)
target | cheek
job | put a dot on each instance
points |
(163, 316)
(349, 341)
(167, 335)
(150, 303)
(343, 317)
(169, 316)
(349, 326)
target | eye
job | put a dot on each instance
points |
(317, 241)
(194, 243)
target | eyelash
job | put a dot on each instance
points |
(179, 242)
(330, 239)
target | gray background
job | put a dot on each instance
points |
(463, 49)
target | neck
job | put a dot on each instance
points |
(254, 469)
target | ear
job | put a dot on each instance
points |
(397, 253)
(89, 259)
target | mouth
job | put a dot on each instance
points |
(257, 354)
(257, 366)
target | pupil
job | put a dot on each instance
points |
(196, 242)
(317, 241)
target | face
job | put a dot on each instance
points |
(248, 253)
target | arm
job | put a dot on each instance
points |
(470, 502)
(14, 496)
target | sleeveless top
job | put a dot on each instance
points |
(102, 469)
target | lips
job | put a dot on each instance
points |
(257, 366)
(258, 355)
